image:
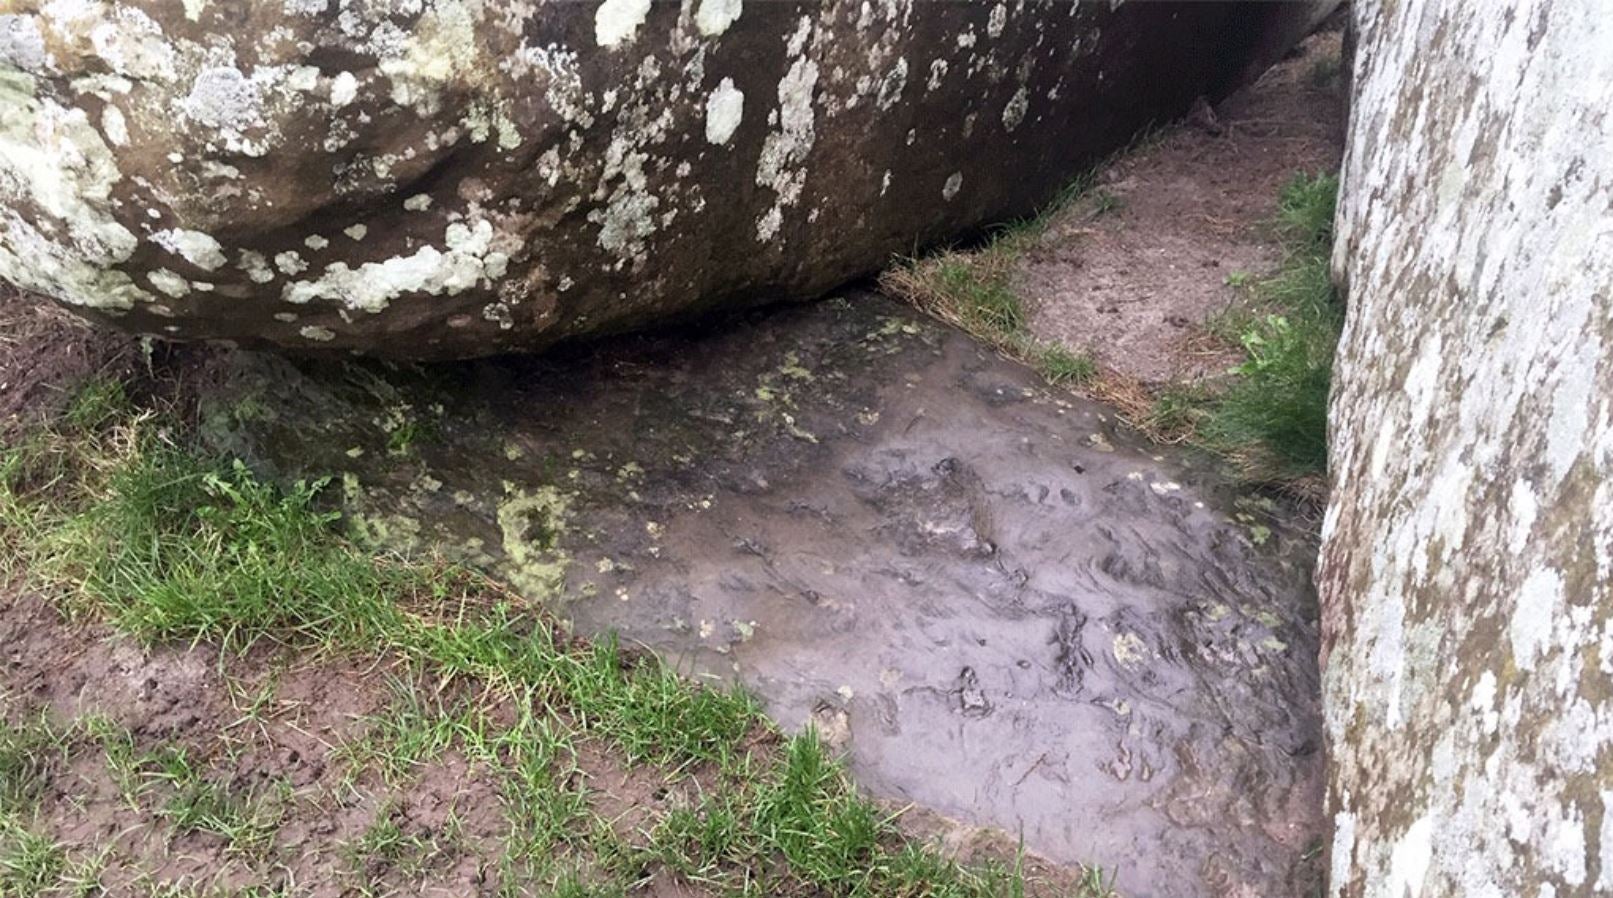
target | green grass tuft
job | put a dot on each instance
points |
(650, 711)
(803, 809)
(1061, 366)
(1305, 209)
(245, 820)
(26, 752)
(96, 404)
(204, 552)
(1279, 401)
(810, 815)
(1273, 415)
(30, 863)
(385, 845)
(981, 299)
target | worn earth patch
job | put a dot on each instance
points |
(44, 351)
(1133, 271)
(169, 768)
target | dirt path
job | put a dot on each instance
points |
(1132, 272)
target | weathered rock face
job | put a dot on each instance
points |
(462, 177)
(1467, 575)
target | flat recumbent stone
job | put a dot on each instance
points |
(446, 178)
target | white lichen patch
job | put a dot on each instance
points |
(1014, 111)
(628, 219)
(290, 262)
(114, 126)
(785, 150)
(468, 259)
(1129, 650)
(952, 186)
(168, 283)
(256, 267)
(892, 85)
(317, 334)
(440, 49)
(1534, 611)
(343, 89)
(616, 22)
(725, 106)
(224, 98)
(195, 247)
(998, 19)
(58, 231)
(714, 16)
(22, 44)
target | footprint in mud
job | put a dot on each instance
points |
(1071, 660)
(972, 701)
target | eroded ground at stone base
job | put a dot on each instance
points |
(1002, 607)
(1173, 233)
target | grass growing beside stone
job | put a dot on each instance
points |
(110, 512)
(973, 290)
(1268, 417)
(1272, 416)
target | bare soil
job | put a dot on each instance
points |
(44, 351)
(271, 728)
(1132, 273)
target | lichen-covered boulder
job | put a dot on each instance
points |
(460, 177)
(1467, 567)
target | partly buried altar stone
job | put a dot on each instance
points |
(452, 178)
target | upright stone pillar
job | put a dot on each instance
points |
(1467, 561)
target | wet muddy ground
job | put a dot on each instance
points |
(1000, 606)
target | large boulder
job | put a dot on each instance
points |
(1467, 568)
(436, 178)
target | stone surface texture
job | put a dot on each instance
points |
(1467, 571)
(453, 178)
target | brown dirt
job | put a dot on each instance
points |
(1132, 272)
(277, 725)
(44, 351)
(271, 724)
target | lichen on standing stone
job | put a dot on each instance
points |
(1466, 582)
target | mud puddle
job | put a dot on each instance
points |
(1002, 608)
